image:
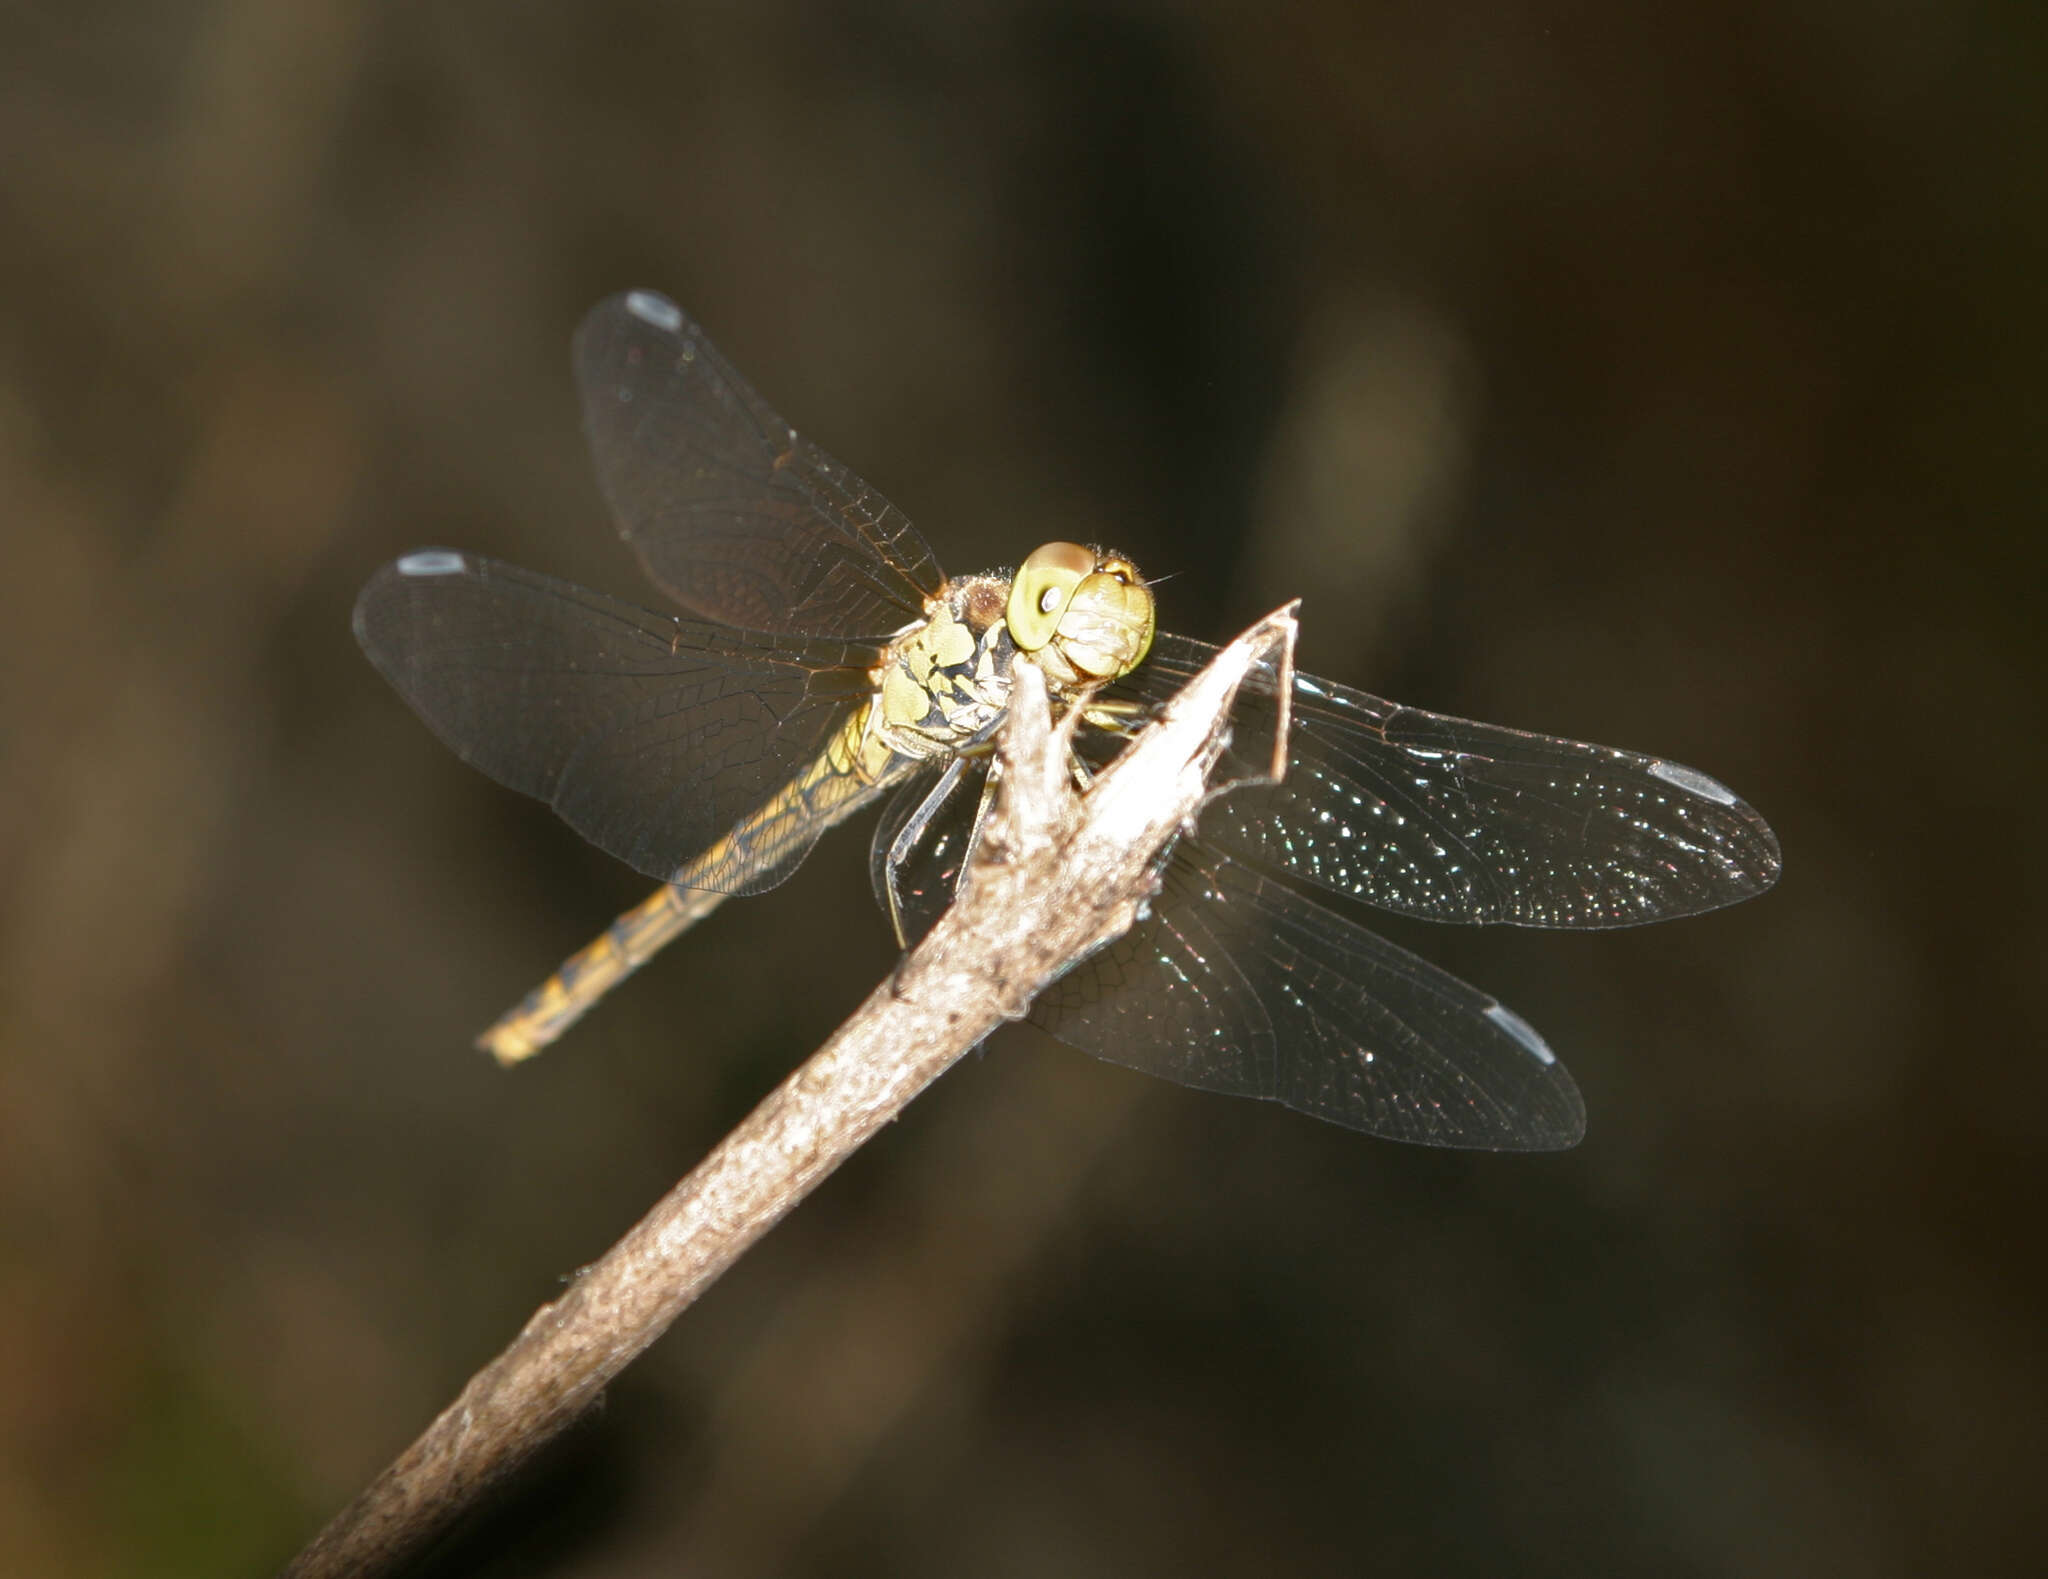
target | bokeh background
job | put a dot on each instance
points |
(1670, 376)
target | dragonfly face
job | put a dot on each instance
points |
(822, 660)
(1084, 614)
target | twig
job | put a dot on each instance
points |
(1058, 875)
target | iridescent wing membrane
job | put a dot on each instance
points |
(654, 736)
(650, 735)
(1238, 982)
(1418, 814)
(1447, 819)
(734, 514)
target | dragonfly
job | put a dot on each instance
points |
(823, 662)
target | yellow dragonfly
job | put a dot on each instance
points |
(824, 662)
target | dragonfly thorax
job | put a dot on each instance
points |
(945, 683)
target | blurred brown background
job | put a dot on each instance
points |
(1667, 376)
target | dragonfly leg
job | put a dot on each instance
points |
(1119, 718)
(911, 834)
(906, 841)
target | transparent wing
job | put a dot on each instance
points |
(1451, 820)
(651, 736)
(1237, 983)
(732, 513)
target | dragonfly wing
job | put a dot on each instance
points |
(733, 514)
(651, 736)
(1237, 983)
(1451, 820)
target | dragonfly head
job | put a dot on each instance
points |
(1083, 613)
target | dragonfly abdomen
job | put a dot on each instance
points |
(759, 850)
(593, 970)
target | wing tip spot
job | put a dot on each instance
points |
(1522, 1031)
(1693, 781)
(652, 307)
(433, 562)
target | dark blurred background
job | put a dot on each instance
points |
(1667, 376)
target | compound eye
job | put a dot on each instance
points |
(1044, 585)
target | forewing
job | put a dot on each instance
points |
(733, 514)
(650, 735)
(1451, 820)
(1236, 983)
